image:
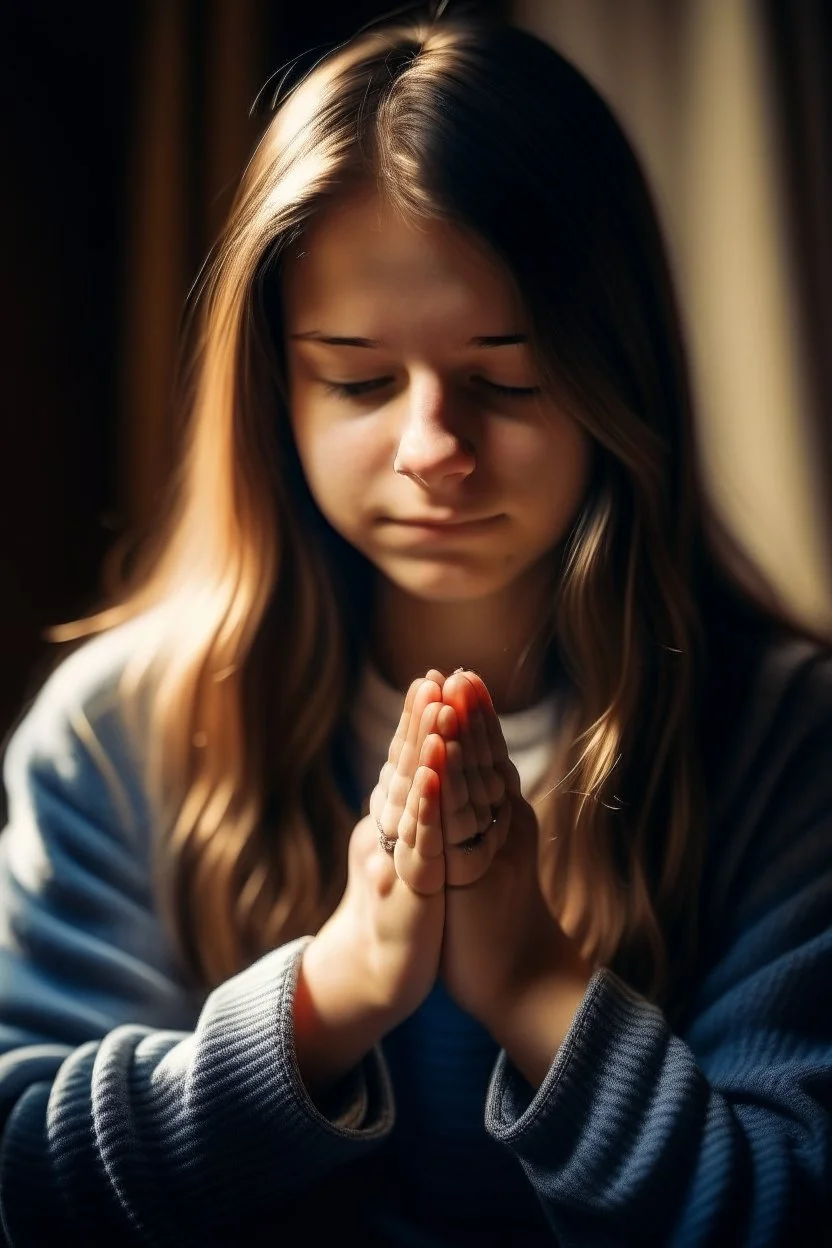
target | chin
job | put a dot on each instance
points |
(443, 583)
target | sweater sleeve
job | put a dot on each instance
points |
(717, 1132)
(131, 1110)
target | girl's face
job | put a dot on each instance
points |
(416, 408)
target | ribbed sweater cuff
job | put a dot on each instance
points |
(597, 1071)
(361, 1107)
(176, 1133)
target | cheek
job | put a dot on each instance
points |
(338, 457)
(547, 467)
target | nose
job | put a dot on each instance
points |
(431, 447)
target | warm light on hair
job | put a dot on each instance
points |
(489, 129)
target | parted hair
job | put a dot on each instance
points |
(260, 607)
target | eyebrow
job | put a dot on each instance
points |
(487, 340)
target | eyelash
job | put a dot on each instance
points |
(356, 389)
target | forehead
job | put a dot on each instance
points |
(362, 251)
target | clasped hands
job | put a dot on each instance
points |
(462, 875)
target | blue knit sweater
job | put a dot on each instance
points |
(133, 1110)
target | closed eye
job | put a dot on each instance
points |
(513, 392)
(355, 389)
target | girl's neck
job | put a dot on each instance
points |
(503, 637)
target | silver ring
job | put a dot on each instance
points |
(473, 842)
(387, 843)
(477, 839)
(495, 810)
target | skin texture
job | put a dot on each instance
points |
(521, 980)
(434, 908)
(430, 436)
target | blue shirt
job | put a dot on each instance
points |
(136, 1109)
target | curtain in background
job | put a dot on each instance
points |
(145, 114)
(199, 68)
(799, 37)
(197, 71)
(63, 105)
(728, 103)
(123, 130)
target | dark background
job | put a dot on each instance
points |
(122, 130)
(74, 80)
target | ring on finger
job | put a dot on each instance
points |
(494, 816)
(387, 843)
(477, 839)
(491, 815)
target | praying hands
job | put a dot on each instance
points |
(449, 810)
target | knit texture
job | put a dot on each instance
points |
(132, 1110)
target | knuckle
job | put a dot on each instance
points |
(398, 790)
(483, 818)
(406, 828)
(385, 776)
(454, 798)
(465, 823)
(473, 778)
(453, 754)
(495, 787)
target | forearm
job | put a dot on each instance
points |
(627, 1119)
(532, 1026)
(219, 1117)
(335, 1024)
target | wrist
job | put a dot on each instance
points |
(532, 1020)
(336, 1022)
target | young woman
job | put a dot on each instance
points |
(436, 842)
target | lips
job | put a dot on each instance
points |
(424, 532)
(443, 522)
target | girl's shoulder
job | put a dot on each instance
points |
(769, 771)
(82, 942)
(85, 725)
(770, 700)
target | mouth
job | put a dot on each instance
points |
(445, 527)
(444, 520)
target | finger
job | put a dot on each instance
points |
(394, 752)
(494, 732)
(408, 821)
(400, 735)
(423, 714)
(500, 826)
(458, 693)
(425, 692)
(426, 695)
(491, 779)
(397, 759)
(418, 856)
(400, 778)
(429, 841)
(395, 802)
(427, 723)
(468, 861)
(415, 699)
(446, 723)
(378, 799)
(429, 823)
(459, 819)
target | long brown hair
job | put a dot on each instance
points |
(259, 621)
